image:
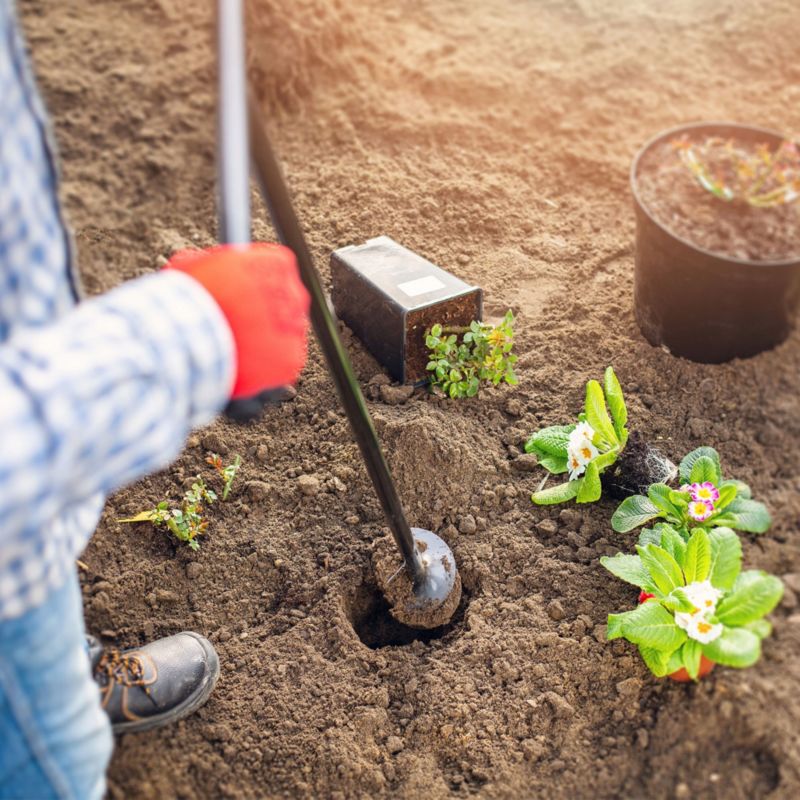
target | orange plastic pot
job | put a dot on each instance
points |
(682, 676)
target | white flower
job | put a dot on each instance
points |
(703, 631)
(580, 450)
(703, 596)
(583, 430)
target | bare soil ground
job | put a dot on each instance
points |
(495, 139)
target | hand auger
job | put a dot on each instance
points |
(428, 560)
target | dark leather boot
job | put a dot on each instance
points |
(154, 685)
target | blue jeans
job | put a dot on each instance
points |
(55, 739)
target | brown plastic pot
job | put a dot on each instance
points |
(682, 676)
(701, 305)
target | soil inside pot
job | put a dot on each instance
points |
(734, 229)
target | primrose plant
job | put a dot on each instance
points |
(695, 602)
(482, 357)
(704, 500)
(584, 449)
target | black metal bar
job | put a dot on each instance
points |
(276, 196)
(234, 165)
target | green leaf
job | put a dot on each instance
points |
(663, 568)
(551, 441)
(672, 542)
(675, 662)
(691, 653)
(677, 600)
(605, 460)
(659, 494)
(760, 627)
(735, 647)
(704, 469)
(590, 488)
(689, 461)
(748, 515)
(656, 660)
(726, 557)
(650, 536)
(557, 494)
(614, 627)
(597, 415)
(727, 494)
(436, 330)
(650, 625)
(697, 564)
(616, 403)
(630, 569)
(679, 499)
(633, 512)
(754, 595)
(742, 489)
(554, 464)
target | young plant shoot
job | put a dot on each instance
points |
(483, 356)
(704, 500)
(226, 473)
(584, 450)
(187, 521)
(739, 173)
(695, 602)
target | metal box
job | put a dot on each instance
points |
(389, 297)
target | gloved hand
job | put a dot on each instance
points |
(258, 289)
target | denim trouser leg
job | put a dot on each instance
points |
(55, 740)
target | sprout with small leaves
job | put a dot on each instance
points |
(483, 356)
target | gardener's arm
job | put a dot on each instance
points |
(109, 392)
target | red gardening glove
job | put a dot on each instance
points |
(258, 289)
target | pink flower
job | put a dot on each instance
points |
(706, 492)
(700, 510)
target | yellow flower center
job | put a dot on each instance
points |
(586, 452)
(703, 627)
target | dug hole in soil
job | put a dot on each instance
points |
(494, 140)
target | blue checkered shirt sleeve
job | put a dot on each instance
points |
(92, 396)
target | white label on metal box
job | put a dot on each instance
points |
(420, 286)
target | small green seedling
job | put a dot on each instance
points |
(226, 473)
(704, 500)
(187, 521)
(734, 172)
(695, 602)
(483, 356)
(586, 449)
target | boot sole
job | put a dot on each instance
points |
(189, 705)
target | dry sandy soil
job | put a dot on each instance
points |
(494, 138)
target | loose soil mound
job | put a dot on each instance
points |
(494, 139)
